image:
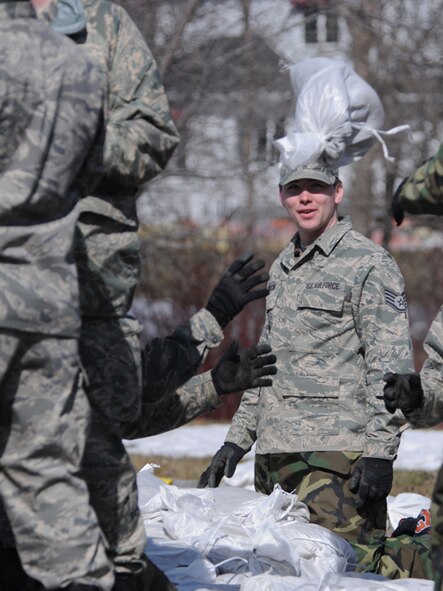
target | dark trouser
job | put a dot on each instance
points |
(111, 357)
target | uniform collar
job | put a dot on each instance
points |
(326, 243)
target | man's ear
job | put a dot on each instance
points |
(339, 193)
(282, 199)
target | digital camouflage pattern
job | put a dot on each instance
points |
(336, 319)
(430, 412)
(171, 396)
(50, 109)
(112, 486)
(46, 130)
(43, 420)
(123, 387)
(195, 398)
(140, 138)
(422, 192)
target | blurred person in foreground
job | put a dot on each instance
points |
(420, 395)
(140, 137)
(336, 319)
(51, 102)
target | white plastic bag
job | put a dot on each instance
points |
(405, 505)
(338, 116)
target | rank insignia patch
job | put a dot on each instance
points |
(395, 300)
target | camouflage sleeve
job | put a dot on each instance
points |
(431, 411)
(193, 399)
(171, 361)
(205, 330)
(140, 134)
(243, 430)
(382, 325)
(422, 192)
(244, 423)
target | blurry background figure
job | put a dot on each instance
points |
(51, 102)
(420, 396)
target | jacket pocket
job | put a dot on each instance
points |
(320, 308)
(311, 403)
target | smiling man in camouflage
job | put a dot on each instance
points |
(336, 319)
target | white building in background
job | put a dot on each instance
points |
(209, 177)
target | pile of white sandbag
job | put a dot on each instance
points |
(233, 539)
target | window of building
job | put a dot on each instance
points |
(321, 20)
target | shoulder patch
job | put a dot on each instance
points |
(395, 300)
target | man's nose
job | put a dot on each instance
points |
(305, 196)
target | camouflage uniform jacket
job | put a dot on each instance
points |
(336, 320)
(195, 398)
(50, 108)
(422, 192)
(140, 138)
(430, 413)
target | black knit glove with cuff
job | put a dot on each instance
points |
(402, 391)
(249, 368)
(235, 289)
(371, 479)
(222, 464)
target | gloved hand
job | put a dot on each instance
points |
(397, 210)
(223, 463)
(371, 479)
(239, 371)
(234, 290)
(402, 391)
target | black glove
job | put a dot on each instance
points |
(405, 527)
(372, 479)
(397, 210)
(402, 391)
(239, 371)
(223, 463)
(234, 290)
(414, 526)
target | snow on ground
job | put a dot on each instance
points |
(419, 450)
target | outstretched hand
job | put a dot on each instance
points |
(249, 368)
(235, 289)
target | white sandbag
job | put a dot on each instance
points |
(232, 539)
(334, 583)
(338, 116)
(209, 535)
